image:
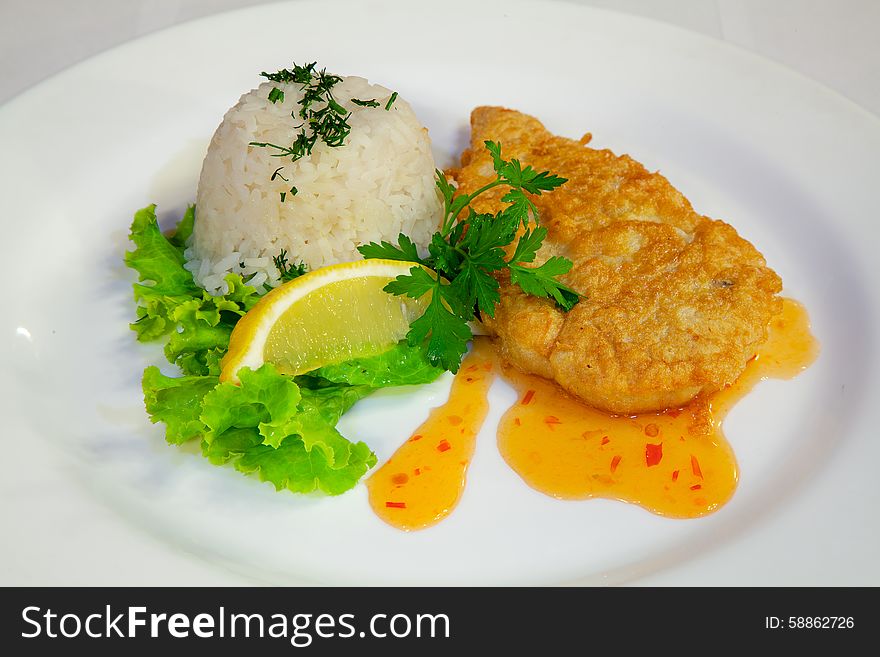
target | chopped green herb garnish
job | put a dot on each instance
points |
(277, 174)
(299, 74)
(466, 252)
(276, 95)
(329, 122)
(336, 107)
(324, 117)
(288, 271)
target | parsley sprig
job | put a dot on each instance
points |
(465, 253)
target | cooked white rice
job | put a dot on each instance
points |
(378, 184)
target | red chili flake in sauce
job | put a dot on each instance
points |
(652, 430)
(695, 466)
(653, 454)
(517, 421)
(443, 446)
(472, 368)
(528, 397)
(696, 487)
(674, 412)
(400, 478)
(675, 475)
(605, 440)
(454, 420)
(487, 367)
(615, 462)
(417, 472)
(418, 436)
(469, 379)
(395, 505)
(550, 420)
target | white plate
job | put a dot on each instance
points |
(792, 165)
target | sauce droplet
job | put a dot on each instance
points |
(423, 481)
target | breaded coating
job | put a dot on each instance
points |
(674, 304)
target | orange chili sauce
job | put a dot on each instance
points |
(676, 463)
(423, 481)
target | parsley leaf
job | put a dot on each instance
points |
(444, 256)
(494, 149)
(413, 285)
(406, 250)
(443, 327)
(541, 281)
(445, 187)
(521, 208)
(483, 254)
(528, 245)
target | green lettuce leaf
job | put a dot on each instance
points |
(278, 408)
(265, 400)
(287, 434)
(401, 365)
(205, 362)
(184, 228)
(163, 282)
(158, 262)
(319, 412)
(177, 402)
(203, 326)
(290, 466)
(198, 325)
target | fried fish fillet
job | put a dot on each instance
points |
(674, 304)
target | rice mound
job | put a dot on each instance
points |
(378, 184)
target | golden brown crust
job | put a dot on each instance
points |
(675, 303)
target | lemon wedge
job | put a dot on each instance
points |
(330, 315)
